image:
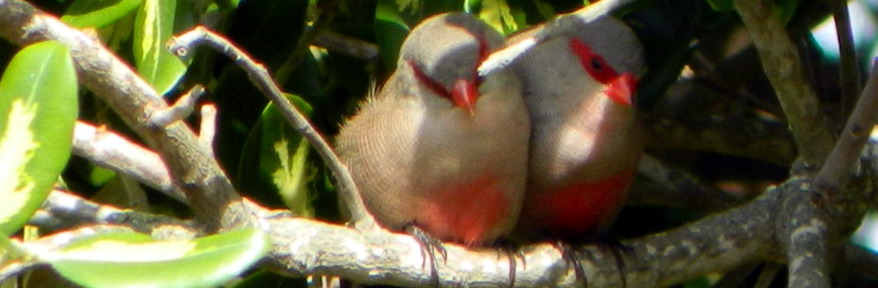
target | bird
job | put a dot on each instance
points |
(438, 147)
(586, 141)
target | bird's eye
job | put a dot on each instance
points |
(596, 64)
(593, 63)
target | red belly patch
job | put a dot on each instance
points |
(575, 211)
(465, 213)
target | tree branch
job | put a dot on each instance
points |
(111, 151)
(849, 73)
(70, 210)
(347, 45)
(259, 76)
(846, 152)
(813, 227)
(781, 63)
(730, 135)
(678, 189)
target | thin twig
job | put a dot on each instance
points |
(839, 166)
(782, 65)
(207, 127)
(309, 33)
(260, 77)
(181, 109)
(74, 211)
(353, 47)
(849, 71)
(111, 151)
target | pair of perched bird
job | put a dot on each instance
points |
(543, 150)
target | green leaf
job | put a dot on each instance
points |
(390, 31)
(128, 259)
(38, 108)
(498, 15)
(153, 27)
(97, 13)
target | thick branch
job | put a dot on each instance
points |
(813, 227)
(717, 243)
(714, 244)
(805, 235)
(782, 65)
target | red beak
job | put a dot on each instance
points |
(464, 95)
(622, 89)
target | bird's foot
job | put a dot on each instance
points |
(429, 246)
(513, 253)
(568, 253)
(608, 242)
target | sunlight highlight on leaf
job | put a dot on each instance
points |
(497, 14)
(291, 176)
(149, 31)
(16, 148)
(109, 250)
(153, 26)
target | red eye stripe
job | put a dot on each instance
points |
(436, 87)
(593, 63)
(465, 92)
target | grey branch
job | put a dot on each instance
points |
(784, 69)
(111, 151)
(717, 243)
(678, 189)
(846, 152)
(181, 109)
(347, 45)
(811, 231)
